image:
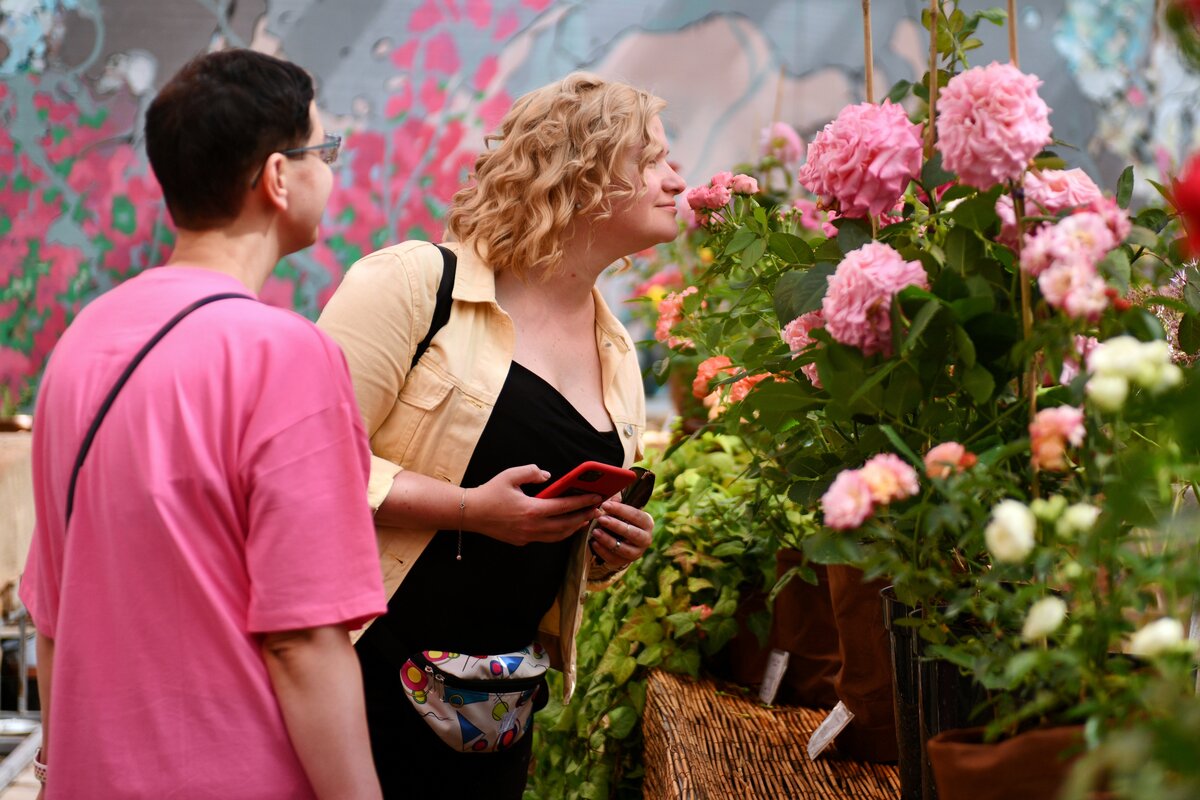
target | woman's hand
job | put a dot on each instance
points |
(500, 509)
(621, 535)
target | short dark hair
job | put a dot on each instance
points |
(215, 122)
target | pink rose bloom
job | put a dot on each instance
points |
(1084, 237)
(797, 335)
(990, 123)
(724, 179)
(947, 459)
(847, 503)
(739, 389)
(1074, 288)
(709, 197)
(813, 218)
(744, 184)
(670, 314)
(780, 141)
(864, 159)
(858, 303)
(704, 610)
(1050, 432)
(889, 478)
(709, 368)
(1047, 193)
(1072, 364)
(1114, 216)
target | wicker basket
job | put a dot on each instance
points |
(704, 744)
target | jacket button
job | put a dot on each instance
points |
(628, 430)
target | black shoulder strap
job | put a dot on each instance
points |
(112, 393)
(441, 312)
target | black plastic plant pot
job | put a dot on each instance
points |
(906, 695)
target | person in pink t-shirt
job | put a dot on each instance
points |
(192, 615)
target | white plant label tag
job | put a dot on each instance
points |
(777, 664)
(828, 730)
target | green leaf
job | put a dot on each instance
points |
(933, 174)
(754, 252)
(996, 16)
(966, 347)
(1189, 334)
(979, 212)
(900, 446)
(920, 323)
(1163, 190)
(681, 623)
(726, 549)
(787, 397)
(1116, 268)
(899, 90)
(621, 721)
(870, 382)
(853, 233)
(792, 250)
(1140, 236)
(800, 291)
(740, 241)
(979, 382)
(963, 249)
(622, 670)
(1125, 187)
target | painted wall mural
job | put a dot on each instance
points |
(414, 84)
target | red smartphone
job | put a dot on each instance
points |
(590, 477)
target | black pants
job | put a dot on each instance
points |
(413, 762)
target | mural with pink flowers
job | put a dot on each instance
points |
(413, 86)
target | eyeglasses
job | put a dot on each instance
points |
(327, 150)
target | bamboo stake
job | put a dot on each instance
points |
(1012, 34)
(930, 134)
(868, 51)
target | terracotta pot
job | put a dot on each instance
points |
(1030, 766)
(802, 625)
(864, 682)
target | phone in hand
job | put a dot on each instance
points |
(590, 477)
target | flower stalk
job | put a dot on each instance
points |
(933, 78)
(868, 52)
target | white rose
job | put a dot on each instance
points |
(1169, 376)
(1043, 618)
(1050, 508)
(1108, 392)
(1077, 519)
(1119, 356)
(1157, 638)
(1009, 535)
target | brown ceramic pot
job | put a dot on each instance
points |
(1030, 766)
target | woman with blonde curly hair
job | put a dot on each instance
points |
(528, 376)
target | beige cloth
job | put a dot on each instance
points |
(430, 418)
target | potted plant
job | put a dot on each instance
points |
(969, 382)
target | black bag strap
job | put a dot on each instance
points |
(441, 311)
(112, 393)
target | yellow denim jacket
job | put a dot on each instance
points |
(429, 419)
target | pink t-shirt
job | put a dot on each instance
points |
(224, 497)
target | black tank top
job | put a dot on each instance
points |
(492, 600)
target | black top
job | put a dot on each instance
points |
(493, 599)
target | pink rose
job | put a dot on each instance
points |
(864, 159)
(744, 184)
(709, 197)
(703, 610)
(739, 389)
(990, 123)
(1114, 216)
(1073, 363)
(781, 142)
(797, 335)
(889, 478)
(947, 459)
(1050, 432)
(709, 368)
(1048, 192)
(1082, 237)
(858, 303)
(724, 179)
(670, 314)
(847, 503)
(1074, 288)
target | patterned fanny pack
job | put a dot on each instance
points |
(476, 704)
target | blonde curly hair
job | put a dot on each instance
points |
(561, 153)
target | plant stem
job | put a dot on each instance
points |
(868, 52)
(1012, 34)
(1031, 374)
(934, 12)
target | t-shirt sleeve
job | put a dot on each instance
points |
(311, 555)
